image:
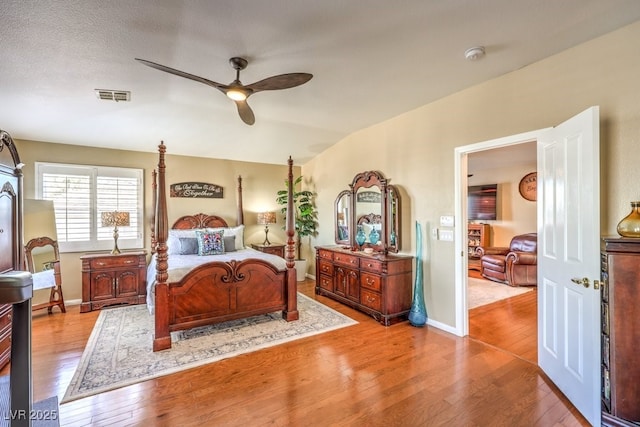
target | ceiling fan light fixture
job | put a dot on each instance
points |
(237, 94)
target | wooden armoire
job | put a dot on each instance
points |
(11, 253)
(620, 311)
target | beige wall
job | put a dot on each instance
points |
(416, 149)
(260, 184)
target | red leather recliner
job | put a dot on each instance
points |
(516, 265)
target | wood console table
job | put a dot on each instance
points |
(379, 285)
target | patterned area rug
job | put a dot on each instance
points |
(483, 292)
(119, 351)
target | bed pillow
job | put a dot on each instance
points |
(173, 239)
(237, 231)
(188, 246)
(210, 242)
(229, 243)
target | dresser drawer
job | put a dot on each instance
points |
(371, 265)
(371, 299)
(114, 262)
(344, 259)
(5, 317)
(325, 254)
(370, 281)
(325, 267)
(326, 282)
(5, 342)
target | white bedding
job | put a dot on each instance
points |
(180, 265)
(43, 280)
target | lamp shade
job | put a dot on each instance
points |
(115, 219)
(265, 218)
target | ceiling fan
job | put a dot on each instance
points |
(235, 90)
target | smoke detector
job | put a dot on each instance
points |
(474, 53)
(113, 95)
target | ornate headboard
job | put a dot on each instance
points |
(200, 220)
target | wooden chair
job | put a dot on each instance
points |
(43, 261)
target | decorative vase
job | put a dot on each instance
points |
(418, 312)
(360, 236)
(392, 238)
(374, 236)
(630, 225)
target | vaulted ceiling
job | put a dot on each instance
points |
(371, 60)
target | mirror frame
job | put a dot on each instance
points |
(339, 241)
(390, 217)
(40, 242)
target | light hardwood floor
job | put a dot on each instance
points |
(362, 375)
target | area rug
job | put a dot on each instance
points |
(119, 350)
(482, 292)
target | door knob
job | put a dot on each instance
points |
(584, 281)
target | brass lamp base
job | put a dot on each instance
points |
(115, 250)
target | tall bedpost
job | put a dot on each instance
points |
(291, 311)
(240, 215)
(162, 339)
(154, 194)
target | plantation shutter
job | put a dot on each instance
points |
(81, 193)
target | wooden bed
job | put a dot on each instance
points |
(216, 291)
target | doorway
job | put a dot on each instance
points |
(500, 315)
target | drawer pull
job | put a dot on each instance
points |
(369, 281)
(369, 299)
(129, 261)
(369, 265)
(9, 317)
(100, 263)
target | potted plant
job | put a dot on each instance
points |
(304, 220)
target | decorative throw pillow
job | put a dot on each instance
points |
(210, 242)
(229, 243)
(188, 246)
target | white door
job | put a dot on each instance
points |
(569, 260)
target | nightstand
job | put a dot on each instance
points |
(270, 249)
(111, 279)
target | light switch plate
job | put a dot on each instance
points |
(446, 221)
(446, 235)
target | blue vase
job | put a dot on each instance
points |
(418, 312)
(374, 236)
(360, 236)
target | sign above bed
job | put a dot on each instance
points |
(196, 190)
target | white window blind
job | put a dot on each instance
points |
(81, 193)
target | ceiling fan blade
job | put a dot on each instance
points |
(282, 81)
(246, 113)
(170, 70)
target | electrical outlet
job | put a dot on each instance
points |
(434, 233)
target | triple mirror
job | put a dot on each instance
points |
(368, 214)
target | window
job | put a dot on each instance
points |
(81, 193)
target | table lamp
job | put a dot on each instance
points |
(115, 219)
(266, 218)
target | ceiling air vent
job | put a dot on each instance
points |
(113, 95)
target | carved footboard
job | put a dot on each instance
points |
(217, 292)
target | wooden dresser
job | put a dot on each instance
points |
(5, 334)
(620, 302)
(379, 285)
(113, 279)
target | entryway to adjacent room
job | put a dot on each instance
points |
(500, 315)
